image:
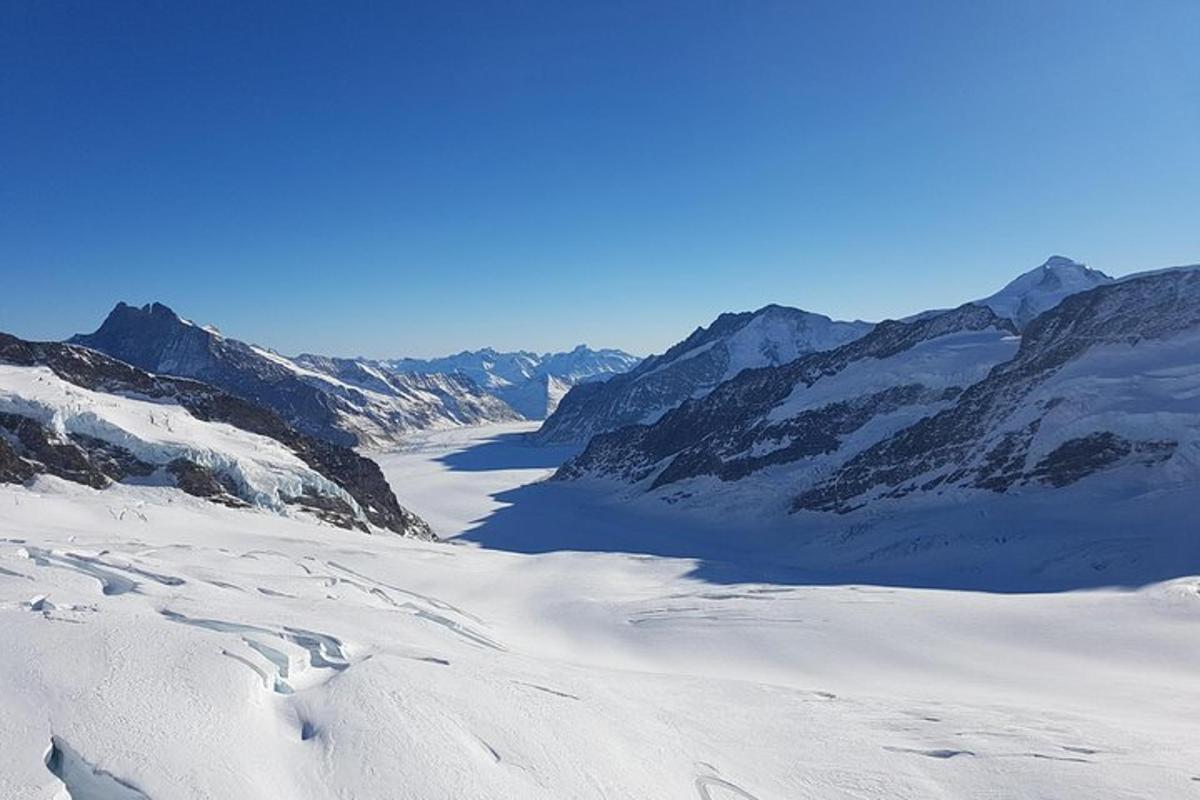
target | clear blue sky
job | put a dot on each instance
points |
(395, 178)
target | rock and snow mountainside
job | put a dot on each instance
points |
(340, 400)
(1042, 289)
(944, 404)
(400, 402)
(532, 384)
(79, 415)
(1108, 379)
(733, 342)
(809, 411)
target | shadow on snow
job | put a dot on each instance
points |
(507, 451)
(1074, 538)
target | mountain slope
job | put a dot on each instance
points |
(733, 342)
(334, 399)
(79, 415)
(1106, 379)
(530, 383)
(811, 411)
(397, 402)
(939, 406)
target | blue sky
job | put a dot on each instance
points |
(392, 178)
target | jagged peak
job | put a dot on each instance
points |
(153, 309)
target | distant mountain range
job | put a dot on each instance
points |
(352, 401)
(531, 384)
(1063, 375)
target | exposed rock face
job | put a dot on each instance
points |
(200, 481)
(768, 337)
(75, 457)
(14, 468)
(97, 463)
(339, 400)
(1075, 459)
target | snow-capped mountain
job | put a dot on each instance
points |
(344, 401)
(811, 410)
(943, 404)
(1105, 381)
(733, 342)
(1042, 289)
(531, 383)
(82, 416)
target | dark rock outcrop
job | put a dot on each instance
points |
(76, 457)
(200, 481)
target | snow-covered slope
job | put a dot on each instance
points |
(944, 404)
(733, 342)
(76, 414)
(344, 401)
(265, 472)
(192, 651)
(1042, 289)
(531, 383)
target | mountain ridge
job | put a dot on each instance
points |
(321, 403)
(909, 422)
(529, 382)
(773, 334)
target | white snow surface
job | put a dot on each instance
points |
(1041, 289)
(174, 649)
(157, 433)
(956, 359)
(777, 335)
